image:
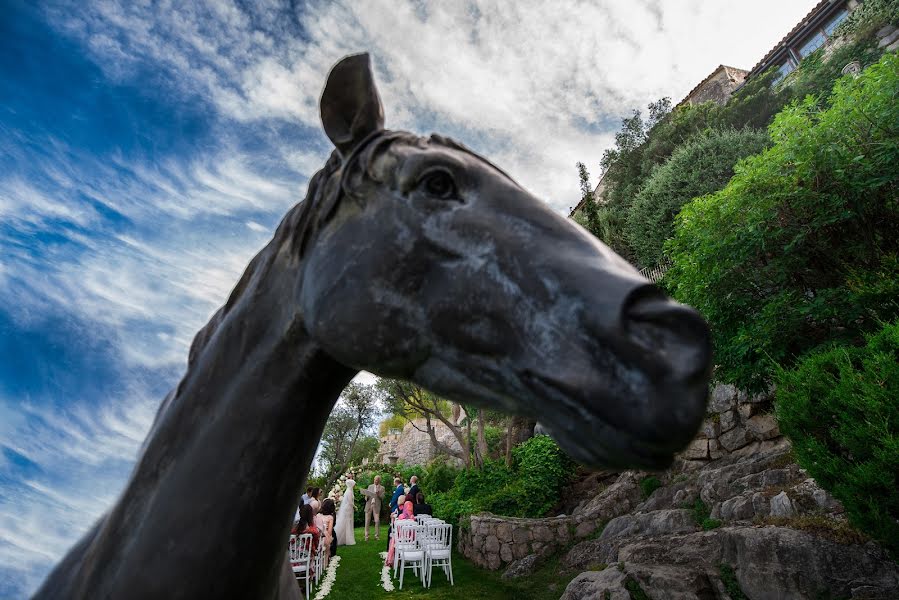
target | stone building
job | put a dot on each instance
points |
(814, 31)
(412, 445)
(717, 87)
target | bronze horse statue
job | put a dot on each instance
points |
(412, 258)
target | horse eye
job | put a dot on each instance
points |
(439, 184)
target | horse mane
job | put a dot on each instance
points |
(302, 222)
(297, 227)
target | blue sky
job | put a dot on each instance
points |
(148, 149)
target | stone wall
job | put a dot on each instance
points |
(491, 541)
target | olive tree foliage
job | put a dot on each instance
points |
(350, 422)
(700, 166)
(410, 401)
(801, 247)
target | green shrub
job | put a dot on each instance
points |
(839, 408)
(648, 485)
(729, 579)
(702, 516)
(539, 475)
(701, 166)
(439, 476)
(801, 247)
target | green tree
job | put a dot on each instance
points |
(800, 248)
(839, 408)
(698, 167)
(352, 416)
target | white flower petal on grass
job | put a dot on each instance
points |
(386, 580)
(328, 580)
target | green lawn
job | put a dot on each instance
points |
(359, 577)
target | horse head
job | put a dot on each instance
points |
(431, 264)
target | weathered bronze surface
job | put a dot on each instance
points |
(410, 257)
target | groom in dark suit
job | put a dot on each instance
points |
(399, 491)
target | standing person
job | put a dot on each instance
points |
(343, 526)
(399, 491)
(304, 499)
(324, 520)
(373, 506)
(413, 491)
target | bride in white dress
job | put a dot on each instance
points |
(343, 525)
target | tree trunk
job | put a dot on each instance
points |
(482, 437)
(510, 436)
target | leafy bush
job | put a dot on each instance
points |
(701, 166)
(540, 472)
(648, 485)
(439, 476)
(839, 407)
(802, 246)
(870, 16)
(702, 516)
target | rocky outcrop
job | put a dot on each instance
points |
(749, 521)
(763, 562)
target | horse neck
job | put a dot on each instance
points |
(222, 468)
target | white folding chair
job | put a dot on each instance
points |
(300, 553)
(439, 550)
(412, 554)
(318, 566)
(402, 540)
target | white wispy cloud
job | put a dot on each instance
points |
(540, 79)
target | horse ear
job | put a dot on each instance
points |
(350, 106)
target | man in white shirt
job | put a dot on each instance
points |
(307, 497)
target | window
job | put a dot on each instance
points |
(812, 43)
(783, 70)
(834, 21)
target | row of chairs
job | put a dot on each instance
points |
(305, 565)
(421, 545)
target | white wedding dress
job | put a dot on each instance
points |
(343, 525)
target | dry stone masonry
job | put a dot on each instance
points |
(734, 506)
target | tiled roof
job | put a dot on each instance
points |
(818, 7)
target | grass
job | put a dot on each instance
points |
(359, 577)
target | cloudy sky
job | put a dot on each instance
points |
(148, 149)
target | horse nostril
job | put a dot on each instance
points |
(671, 332)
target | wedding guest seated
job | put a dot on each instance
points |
(324, 520)
(306, 524)
(314, 500)
(406, 514)
(420, 508)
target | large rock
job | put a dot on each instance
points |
(522, 567)
(597, 585)
(658, 522)
(722, 398)
(774, 562)
(735, 438)
(763, 427)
